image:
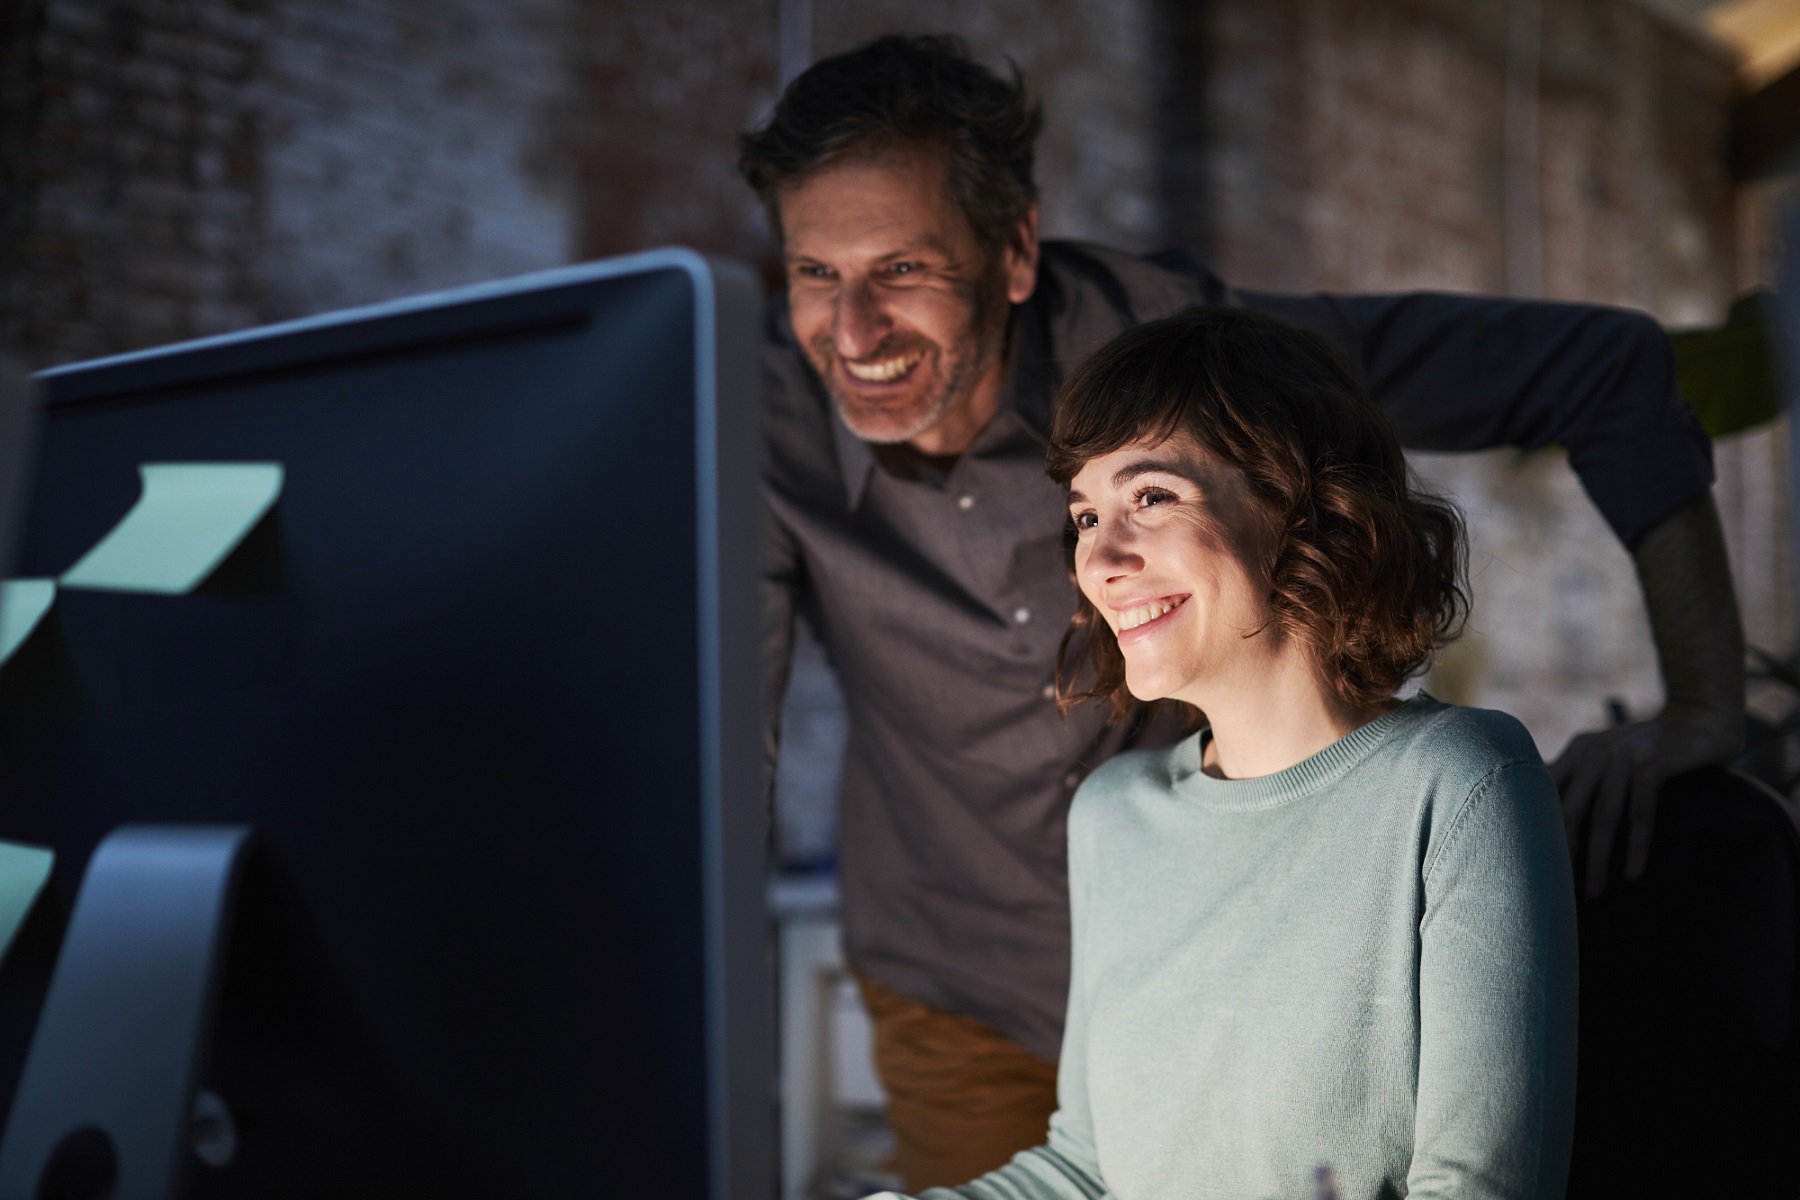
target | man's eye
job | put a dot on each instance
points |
(1086, 521)
(813, 271)
(903, 268)
(1150, 496)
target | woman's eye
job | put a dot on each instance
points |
(1086, 521)
(1154, 496)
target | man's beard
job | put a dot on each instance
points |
(958, 369)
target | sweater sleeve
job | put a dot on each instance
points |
(1473, 373)
(1067, 1166)
(1496, 1085)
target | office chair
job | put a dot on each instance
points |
(1689, 1001)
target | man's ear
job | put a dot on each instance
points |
(1022, 258)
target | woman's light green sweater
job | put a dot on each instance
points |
(1365, 963)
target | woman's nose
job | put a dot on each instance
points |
(1112, 555)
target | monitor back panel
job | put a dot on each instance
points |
(452, 680)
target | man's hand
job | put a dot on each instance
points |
(1610, 778)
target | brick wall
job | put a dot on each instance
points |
(413, 144)
(1361, 145)
(171, 168)
(185, 167)
(139, 207)
(667, 88)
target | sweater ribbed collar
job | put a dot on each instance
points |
(1306, 777)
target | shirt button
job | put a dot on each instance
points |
(965, 502)
(1021, 615)
(1071, 780)
(1049, 691)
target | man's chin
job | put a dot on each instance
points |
(888, 423)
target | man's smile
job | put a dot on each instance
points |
(884, 370)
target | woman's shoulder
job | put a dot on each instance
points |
(1471, 741)
(1133, 776)
(1461, 760)
(1487, 786)
(1144, 767)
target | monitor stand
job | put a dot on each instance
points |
(107, 1100)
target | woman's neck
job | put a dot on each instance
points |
(1270, 719)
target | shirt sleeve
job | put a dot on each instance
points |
(1472, 373)
(1497, 1016)
(782, 579)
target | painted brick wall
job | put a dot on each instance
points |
(139, 207)
(1359, 145)
(185, 167)
(667, 88)
(413, 144)
(171, 168)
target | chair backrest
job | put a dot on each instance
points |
(1690, 1004)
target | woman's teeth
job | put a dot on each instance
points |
(886, 369)
(1142, 615)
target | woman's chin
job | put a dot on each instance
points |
(1146, 690)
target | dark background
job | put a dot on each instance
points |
(174, 168)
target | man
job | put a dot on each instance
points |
(913, 368)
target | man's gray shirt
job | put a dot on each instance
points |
(941, 597)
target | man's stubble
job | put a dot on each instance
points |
(964, 365)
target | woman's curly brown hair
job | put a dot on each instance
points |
(1364, 568)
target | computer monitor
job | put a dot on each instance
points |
(483, 684)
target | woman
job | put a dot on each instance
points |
(1331, 935)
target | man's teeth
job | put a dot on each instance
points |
(886, 369)
(1132, 618)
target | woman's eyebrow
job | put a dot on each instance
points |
(1145, 466)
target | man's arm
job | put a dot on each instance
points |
(1468, 373)
(1473, 373)
(783, 575)
(783, 566)
(1615, 774)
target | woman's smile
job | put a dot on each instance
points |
(1139, 620)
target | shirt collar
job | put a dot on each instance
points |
(854, 457)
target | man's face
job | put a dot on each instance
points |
(893, 300)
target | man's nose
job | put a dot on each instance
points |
(860, 325)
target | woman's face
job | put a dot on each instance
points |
(1170, 550)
